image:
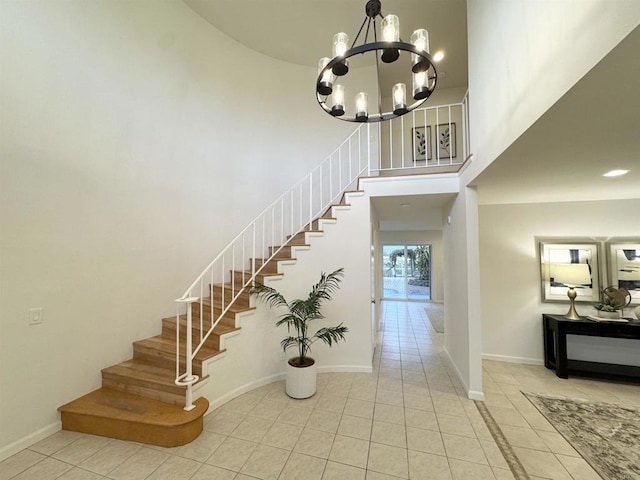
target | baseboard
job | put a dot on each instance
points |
(29, 440)
(218, 402)
(471, 394)
(508, 359)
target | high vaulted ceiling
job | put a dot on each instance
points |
(301, 31)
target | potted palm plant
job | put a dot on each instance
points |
(301, 369)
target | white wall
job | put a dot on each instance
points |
(524, 55)
(461, 291)
(425, 237)
(136, 142)
(512, 306)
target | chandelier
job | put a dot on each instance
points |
(331, 94)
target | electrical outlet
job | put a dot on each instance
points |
(36, 315)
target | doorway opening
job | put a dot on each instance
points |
(406, 272)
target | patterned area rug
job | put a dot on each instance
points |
(435, 313)
(606, 435)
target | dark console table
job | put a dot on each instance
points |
(555, 330)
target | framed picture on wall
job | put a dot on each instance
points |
(421, 144)
(564, 264)
(624, 268)
(446, 140)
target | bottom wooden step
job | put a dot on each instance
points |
(115, 414)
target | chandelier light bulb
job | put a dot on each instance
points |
(338, 101)
(420, 86)
(399, 93)
(340, 47)
(390, 33)
(420, 39)
(391, 28)
(325, 86)
(361, 107)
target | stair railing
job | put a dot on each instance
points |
(226, 278)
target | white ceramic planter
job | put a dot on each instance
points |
(637, 312)
(301, 381)
(612, 315)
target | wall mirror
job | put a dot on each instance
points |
(565, 264)
(624, 267)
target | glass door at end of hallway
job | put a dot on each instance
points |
(406, 272)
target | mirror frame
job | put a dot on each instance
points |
(545, 277)
(613, 248)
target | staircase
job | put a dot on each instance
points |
(139, 399)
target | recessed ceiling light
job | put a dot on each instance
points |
(615, 173)
(439, 55)
(405, 205)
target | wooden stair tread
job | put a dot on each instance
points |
(220, 329)
(143, 371)
(117, 405)
(233, 308)
(167, 345)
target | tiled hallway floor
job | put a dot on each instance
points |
(409, 419)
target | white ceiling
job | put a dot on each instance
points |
(411, 212)
(301, 31)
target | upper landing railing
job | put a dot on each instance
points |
(430, 139)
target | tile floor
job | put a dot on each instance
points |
(409, 419)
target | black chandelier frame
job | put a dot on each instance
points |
(337, 66)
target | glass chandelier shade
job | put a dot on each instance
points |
(387, 49)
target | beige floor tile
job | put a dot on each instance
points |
(331, 403)
(508, 416)
(388, 459)
(242, 404)
(379, 476)
(350, 451)
(47, 469)
(282, 435)
(415, 389)
(389, 398)
(314, 443)
(303, 467)
(359, 408)
(524, 437)
(502, 473)
(365, 393)
(139, 465)
(543, 464)
(268, 408)
(55, 442)
(265, 462)
(175, 468)
(389, 413)
(461, 470)
(464, 448)
(78, 473)
(338, 471)
(232, 454)
(356, 427)
(578, 468)
(457, 425)
(493, 454)
(324, 421)
(223, 422)
(557, 443)
(295, 415)
(421, 419)
(202, 447)
(209, 472)
(389, 434)
(19, 462)
(418, 402)
(429, 441)
(426, 466)
(252, 429)
(109, 457)
(81, 449)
